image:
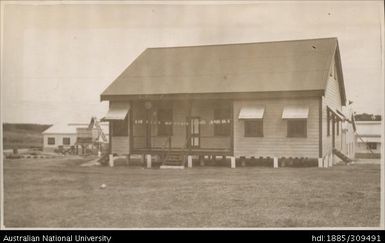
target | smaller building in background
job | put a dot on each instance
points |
(76, 138)
(59, 135)
(368, 139)
(349, 129)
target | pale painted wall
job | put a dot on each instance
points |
(58, 141)
(275, 141)
(332, 98)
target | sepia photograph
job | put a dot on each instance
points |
(192, 115)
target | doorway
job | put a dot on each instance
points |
(193, 132)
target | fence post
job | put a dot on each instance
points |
(275, 162)
(326, 161)
(111, 160)
(320, 160)
(232, 158)
(148, 160)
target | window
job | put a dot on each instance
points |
(297, 128)
(66, 141)
(371, 145)
(120, 128)
(222, 126)
(51, 141)
(165, 119)
(253, 128)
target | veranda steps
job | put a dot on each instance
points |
(173, 160)
(342, 156)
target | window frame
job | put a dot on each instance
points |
(289, 132)
(222, 130)
(65, 139)
(120, 125)
(258, 128)
(164, 130)
(370, 146)
(51, 138)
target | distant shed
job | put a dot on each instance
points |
(66, 135)
(368, 139)
(59, 135)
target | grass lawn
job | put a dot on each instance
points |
(60, 193)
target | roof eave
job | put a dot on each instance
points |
(341, 76)
(229, 95)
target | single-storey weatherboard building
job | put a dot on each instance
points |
(74, 137)
(368, 139)
(273, 99)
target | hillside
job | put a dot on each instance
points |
(23, 135)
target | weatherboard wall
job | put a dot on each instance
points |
(332, 98)
(275, 142)
(58, 141)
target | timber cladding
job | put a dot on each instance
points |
(121, 145)
(171, 88)
(332, 99)
(275, 141)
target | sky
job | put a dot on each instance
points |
(57, 58)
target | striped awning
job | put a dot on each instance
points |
(251, 112)
(295, 112)
(117, 111)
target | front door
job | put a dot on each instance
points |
(194, 132)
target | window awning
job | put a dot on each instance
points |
(117, 111)
(341, 115)
(251, 112)
(295, 112)
(369, 140)
(338, 114)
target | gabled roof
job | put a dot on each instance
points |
(62, 128)
(70, 128)
(369, 128)
(300, 65)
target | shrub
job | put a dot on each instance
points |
(13, 156)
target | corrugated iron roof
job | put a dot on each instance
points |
(368, 128)
(251, 112)
(370, 140)
(70, 128)
(62, 128)
(295, 112)
(301, 65)
(117, 111)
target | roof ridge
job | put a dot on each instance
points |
(242, 43)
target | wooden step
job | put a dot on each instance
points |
(172, 167)
(342, 156)
(172, 162)
(173, 159)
